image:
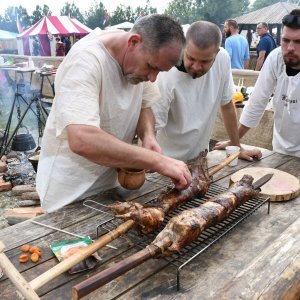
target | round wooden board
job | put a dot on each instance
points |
(281, 187)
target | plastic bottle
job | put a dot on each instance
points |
(9, 60)
(30, 63)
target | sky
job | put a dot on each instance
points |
(83, 5)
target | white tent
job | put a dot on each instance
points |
(124, 26)
(8, 41)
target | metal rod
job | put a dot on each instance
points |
(67, 232)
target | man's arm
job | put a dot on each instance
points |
(146, 131)
(230, 122)
(260, 60)
(103, 148)
(243, 130)
(246, 64)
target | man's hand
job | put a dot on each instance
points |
(221, 145)
(177, 170)
(150, 142)
(249, 155)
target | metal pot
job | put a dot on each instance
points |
(34, 158)
(23, 141)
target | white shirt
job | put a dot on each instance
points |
(90, 90)
(186, 112)
(286, 104)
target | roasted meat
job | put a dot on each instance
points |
(149, 217)
(184, 228)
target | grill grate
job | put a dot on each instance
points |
(207, 238)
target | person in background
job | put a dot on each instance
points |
(141, 15)
(67, 44)
(106, 18)
(192, 94)
(35, 46)
(60, 47)
(236, 45)
(103, 98)
(265, 45)
(280, 75)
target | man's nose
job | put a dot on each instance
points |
(197, 66)
(291, 45)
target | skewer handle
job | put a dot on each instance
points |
(82, 254)
(91, 284)
(224, 163)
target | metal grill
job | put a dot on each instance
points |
(207, 238)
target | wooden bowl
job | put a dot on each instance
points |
(131, 179)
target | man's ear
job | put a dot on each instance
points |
(134, 40)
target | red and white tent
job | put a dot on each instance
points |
(47, 28)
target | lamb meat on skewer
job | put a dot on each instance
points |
(149, 217)
(180, 231)
(184, 228)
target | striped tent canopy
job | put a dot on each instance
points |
(47, 28)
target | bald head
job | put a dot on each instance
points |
(204, 35)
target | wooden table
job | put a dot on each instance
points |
(260, 258)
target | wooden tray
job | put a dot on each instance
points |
(282, 186)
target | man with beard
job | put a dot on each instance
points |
(236, 45)
(193, 92)
(280, 75)
(102, 100)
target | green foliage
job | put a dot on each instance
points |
(95, 15)
(122, 14)
(184, 12)
(73, 11)
(9, 20)
(215, 11)
(39, 13)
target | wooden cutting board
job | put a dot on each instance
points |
(281, 187)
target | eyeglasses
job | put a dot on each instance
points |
(291, 21)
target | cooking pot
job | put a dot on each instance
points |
(34, 158)
(23, 141)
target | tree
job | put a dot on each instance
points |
(263, 3)
(148, 10)
(39, 13)
(183, 11)
(9, 20)
(218, 11)
(215, 11)
(72, 11)
(95, 15)
(122, 14)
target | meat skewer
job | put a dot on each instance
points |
(180, 231)
(149, 217)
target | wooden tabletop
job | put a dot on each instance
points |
(260, 258)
